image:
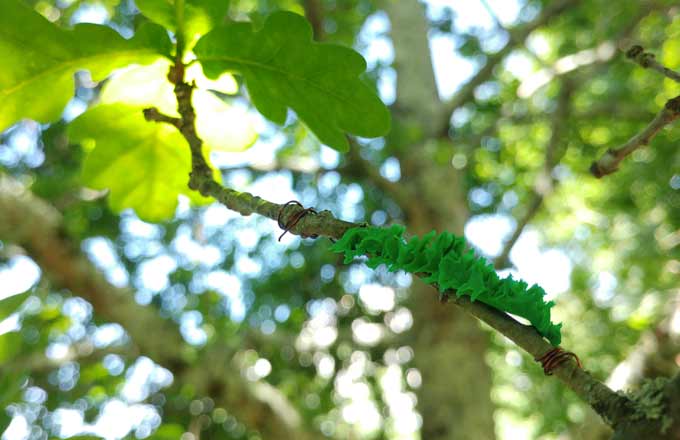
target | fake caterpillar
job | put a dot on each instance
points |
(445, 261)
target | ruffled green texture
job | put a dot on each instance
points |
(446, 261)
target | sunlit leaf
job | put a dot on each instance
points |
(145, 165)
(10, 383)
(39, 60)
(10, 345)
(284, 68)
(199, 15)
(220, 125)
(10, 305)
(167, 432)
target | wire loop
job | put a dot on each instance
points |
(294, 219)
(555, 357)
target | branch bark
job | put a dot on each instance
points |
(612, 407)
(609, 162)
(647, 60)
(314, 13)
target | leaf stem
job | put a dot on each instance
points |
(179, 18)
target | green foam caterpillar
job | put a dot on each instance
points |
(446, 260)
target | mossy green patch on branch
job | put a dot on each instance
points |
(447, 262)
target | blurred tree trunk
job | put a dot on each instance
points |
(455, 396)
(37, 227)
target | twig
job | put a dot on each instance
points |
(152, 114)
(493, 15)
(501, 27)
(647, 60)
(201, 176)
(516, 36)
(609, 162)
(360, 167)
(611, 406)
(314, 13)
(594, 56)
(545, 182)
(503, 260)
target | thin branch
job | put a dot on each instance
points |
(598, 55)
(360, 167)
(501, 27)
(647, 60)
(493, 15)
(517, 35)
(201, 179)
(654, 355)
(609, 162)
(545, 183)
(314, 13)
(611, 406)
(152, 114)
(503, 260)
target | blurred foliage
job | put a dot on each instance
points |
(288, 312)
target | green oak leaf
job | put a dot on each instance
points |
(10, 305)
(145, 165)
(283, 67)
(10, 346)
(221, 126)
(168, 432)
(39, 60)
(199, 15)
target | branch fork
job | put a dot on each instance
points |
(611, 406)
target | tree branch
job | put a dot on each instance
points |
(314, 13)
(360, 167)
(611, 406)
(599, 55)
(647, 60)
(545, 183)
(503, 260)
(517, 35)
(654, 355)
(609, 162)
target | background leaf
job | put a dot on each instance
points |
(36, 80)
(200, 15)
(10, 304)
(10, 345)
(146, 166)
(284, 68)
